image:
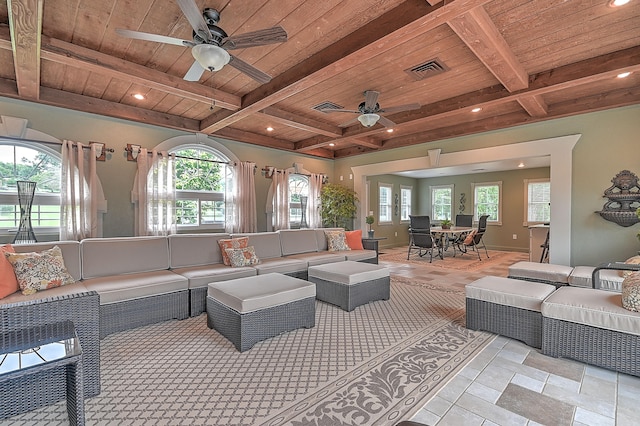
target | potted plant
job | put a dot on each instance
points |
(337, 205)
(445, 224)
(370, 219)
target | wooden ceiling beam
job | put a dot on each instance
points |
(476, 29)
(297, 121)
(405, 22)
(25, 22)
(534, 105)
(254, 138)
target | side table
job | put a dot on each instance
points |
(372, 243)
(50, 352)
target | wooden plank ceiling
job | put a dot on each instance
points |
(520, 61)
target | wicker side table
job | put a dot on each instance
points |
(36, 354)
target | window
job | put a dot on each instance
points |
(538, 201)
(298, 187)
(487, 199)
(441, 199)
(200, 187)
(385, 203)
(39, 165)
(405, 202)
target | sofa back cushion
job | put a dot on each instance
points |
(295, 241)
(321, 238)
(195, 249)
(103, 257)
(70, 254)
(265, 244)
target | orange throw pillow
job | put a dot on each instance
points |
(469, 238)
(233, 243)
(8, 280)
(354, 239)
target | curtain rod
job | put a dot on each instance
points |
(133, 150)
(101, 157)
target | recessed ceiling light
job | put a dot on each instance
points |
(521, 165)
(389, 130)
(616, 3)
(138, 96)
(624, 74)
(477, 109)
(269, 129)
(332, 144)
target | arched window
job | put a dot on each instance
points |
(201, 178)
(29, 163)
(298, 187)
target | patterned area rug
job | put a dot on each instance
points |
(372, 366)
(465, 262)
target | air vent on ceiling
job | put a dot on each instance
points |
(326, 105)
(427, 69)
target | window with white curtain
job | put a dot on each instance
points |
(298, 187)
(405, 203)
(538, 201)
(37, 164)
(385, 207)
(441, 202)
(487, 199)
(200, 187)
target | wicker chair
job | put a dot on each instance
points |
(420, 237)
(477, 241)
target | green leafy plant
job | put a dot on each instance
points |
(445, 223)
(369, 219)
(337, 205)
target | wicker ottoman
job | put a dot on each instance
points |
(591, 326)
(507, 307)
(350, 284)
(548, 273)
(249, 310)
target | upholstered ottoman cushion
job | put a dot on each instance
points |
(608, 279)
(350, 284)
(508, 307)
(249, 310)
(549, 273)
(591, 326)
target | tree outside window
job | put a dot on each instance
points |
(298, 187)
(405, 203)
(538, 207)
(487, 201)
(385, 203)
(441, 199)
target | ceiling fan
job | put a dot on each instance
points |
(370, 111)
(210, 43)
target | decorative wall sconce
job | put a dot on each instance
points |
(396, 204)
(624, 199)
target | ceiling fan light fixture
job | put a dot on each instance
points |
(368, 120)
(210, 56)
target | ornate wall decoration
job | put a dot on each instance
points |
(624, 199)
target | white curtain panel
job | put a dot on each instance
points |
(241, 199)
(280, 185)
(78, 194)
(313, 206)
(154, 194)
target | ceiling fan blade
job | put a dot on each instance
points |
(249, 70)
(152, 37)
(399, 108)
(386, 122)
(255, 38)
(195, 72)
(194, 16)
(338, 110)
(348, 123)
(370, 99)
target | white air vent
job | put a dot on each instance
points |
(326, 105)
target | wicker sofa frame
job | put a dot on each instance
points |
(48, 387)
(246, 329)
(609, 349)
(349, 297)
(517, 323)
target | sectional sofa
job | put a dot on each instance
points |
(128, 282)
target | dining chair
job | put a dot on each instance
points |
(420, 237)
(475, 238)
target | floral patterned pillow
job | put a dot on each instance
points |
(233, 243)
(635, 260)
(336, 241)
(39, 270)
(631, 292)
(242, 257)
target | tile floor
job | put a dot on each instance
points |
(510, 383)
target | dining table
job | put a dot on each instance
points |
(442, 236)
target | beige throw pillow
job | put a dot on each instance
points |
(336, 241)
(631, 292)
(39, 271)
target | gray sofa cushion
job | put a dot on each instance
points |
(296, 241)
(70, 253)
(200, 276)
(195, 249)
(102, 257)
(266, 244)
(358, 255)
(118, 288)
(509, 292)
(77, 287)
(280, 265)
(318, 258)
